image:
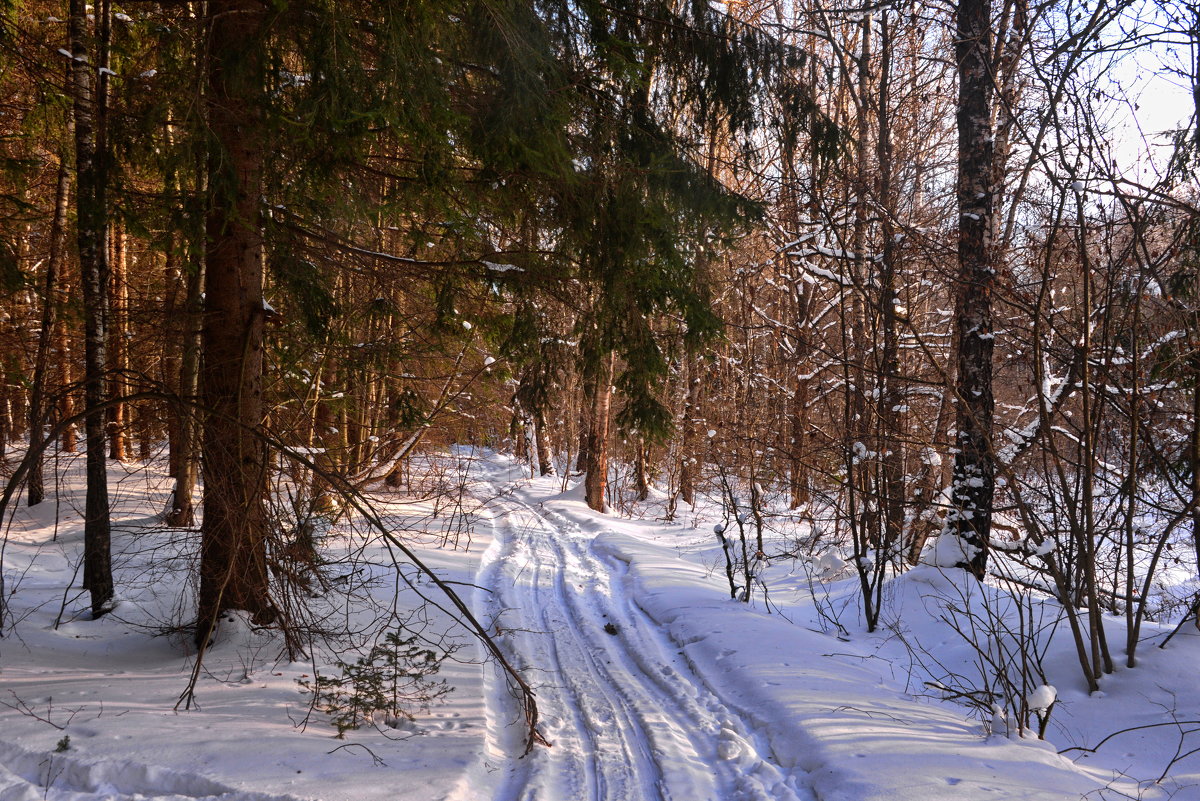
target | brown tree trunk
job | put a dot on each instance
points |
(38, 411)
(891, 397)
(585, 423)
(542, 443)
(797, 473)
(642, 469)
(62, 347)
(172, 346)
(596, 481)
(233, 564)
(688, 460)
(118, 428)
(92, 235)
(326, 436)
(185, 452)
(973, 479)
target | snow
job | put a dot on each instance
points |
(112, 685)
(651, 682)
(1042, 698)
(947, 550)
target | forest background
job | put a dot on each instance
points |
(763, 252)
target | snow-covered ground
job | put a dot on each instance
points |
(651, 683)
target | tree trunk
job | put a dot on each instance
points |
(596, 481)
(92, 236)
(688, 462)
(972, 483)
(62, 347)
(542, 443)
(36, 486)
(118, 420)
(584, 424)
(891, 397)
(326, 436)
(233, 565)
(642, 468)
(186, 452)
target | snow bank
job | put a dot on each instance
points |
(854, 732)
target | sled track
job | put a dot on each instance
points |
(628, 719)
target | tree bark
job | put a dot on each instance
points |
(596, 481)
(118, 419)
(642, 468)
(542, 443)
(972, 483)
(92, 237)
(688, 462)
(233, 565)
(185, 453)
(891, 397)
(36, 486)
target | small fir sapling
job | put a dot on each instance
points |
(382, 687)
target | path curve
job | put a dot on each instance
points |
(628, 719)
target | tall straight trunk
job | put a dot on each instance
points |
(797, 472)
(1130, 527)
(642, 468)
(1194, 458)
(171, 354)
(64, 367)
(854, 310)
(596, 481)
(233, 564)
(62, 347)
(38, 411)
(545, 452)
(1101, 658)
(890, 400)
(326, 435)
(185, 453)
(800, 305)
(118, 418)
(1194, 362)
(688, 462)
(973, 480)
(585, 424)
(518, 430)
(92, 236)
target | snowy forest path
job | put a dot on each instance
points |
(627, 716)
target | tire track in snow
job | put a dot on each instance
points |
(628, 718)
